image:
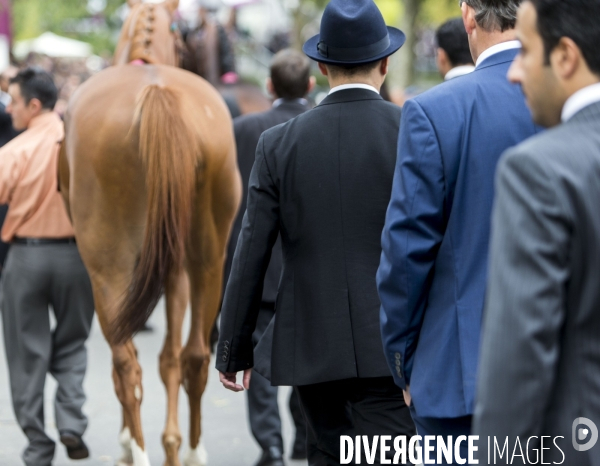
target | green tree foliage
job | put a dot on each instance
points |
(64, 17)
(418, 14)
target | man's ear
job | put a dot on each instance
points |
(566, 58)
(35, 106)
(383, 67)
(323, 69)
(133, 3)
(270, 88)
(468, 16)
(442, 61)
(172, 5)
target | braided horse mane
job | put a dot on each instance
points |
(143, 33)
(148, 36)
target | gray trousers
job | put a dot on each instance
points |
(263, 409)
(37, 278)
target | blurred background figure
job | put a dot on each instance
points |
(7, 132)
(453, 57)
(289, 84)
(209, 51)
(5, 78)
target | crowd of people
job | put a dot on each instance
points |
(424, 271)
(384, 218)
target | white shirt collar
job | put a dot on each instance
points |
(352, 86)
(581, 99)
(459, 71)
(494, 49)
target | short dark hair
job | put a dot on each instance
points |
(453, 39)
(290, 74)
(575, 19)
(350, 71)
(494, 15)
(35, 83)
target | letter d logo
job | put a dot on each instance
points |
(583, 433)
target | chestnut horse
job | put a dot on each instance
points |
(149, 175)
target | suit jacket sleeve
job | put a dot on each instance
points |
(525, 303)
(411, 237)
(242, 300)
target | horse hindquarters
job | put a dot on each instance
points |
(170, 153)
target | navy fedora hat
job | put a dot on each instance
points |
(353, 32)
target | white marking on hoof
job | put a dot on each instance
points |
(140, 457)
(125, 442)
(196, 457)
(137, 392)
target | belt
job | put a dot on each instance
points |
(43, 241)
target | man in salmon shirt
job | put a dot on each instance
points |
(43, 270)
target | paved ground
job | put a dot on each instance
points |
(226, 435)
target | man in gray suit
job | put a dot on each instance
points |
(540, 362)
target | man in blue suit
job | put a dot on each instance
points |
(432, 275)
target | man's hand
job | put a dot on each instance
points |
(406, 393)
(229, 382)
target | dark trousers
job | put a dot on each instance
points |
(373, 406)
(263, 410)
(444, 427)
(35, 279)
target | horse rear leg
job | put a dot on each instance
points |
(127, 377)
(206, 258)
(127, 373)
(177, 297)
(195, 358)
(64, 175)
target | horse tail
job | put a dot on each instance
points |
(168, 150)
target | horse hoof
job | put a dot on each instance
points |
(125, 442)
(140, 457)
(196, 457)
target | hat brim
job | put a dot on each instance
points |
(397, 39)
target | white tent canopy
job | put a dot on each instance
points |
(54, 46)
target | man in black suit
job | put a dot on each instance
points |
(289, 83)
(323, 181)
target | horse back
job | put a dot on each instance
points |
(108, 176)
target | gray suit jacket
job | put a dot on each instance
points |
(540, 360)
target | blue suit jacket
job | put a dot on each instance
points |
(433, 268)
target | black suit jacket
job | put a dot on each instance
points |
(323, 180)
(248, 129)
